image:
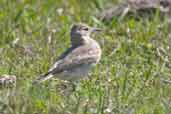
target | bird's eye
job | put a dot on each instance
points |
(86, 29)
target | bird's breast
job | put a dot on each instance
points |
(96, 50)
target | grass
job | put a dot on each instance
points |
(132, 77)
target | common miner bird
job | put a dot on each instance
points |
(76, 62)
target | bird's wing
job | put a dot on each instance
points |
(76, 57)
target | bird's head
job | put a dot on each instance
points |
(80, 32)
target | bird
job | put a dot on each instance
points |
(78, 60)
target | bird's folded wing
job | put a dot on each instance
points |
(77, 57)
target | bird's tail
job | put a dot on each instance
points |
(43, 78)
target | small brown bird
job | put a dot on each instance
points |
(76, 62)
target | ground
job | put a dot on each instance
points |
(133, 76)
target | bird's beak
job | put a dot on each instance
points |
(96, 30)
